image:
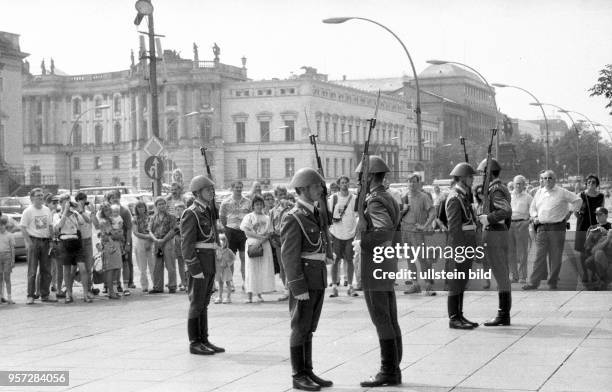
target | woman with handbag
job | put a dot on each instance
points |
(591, 199)
(144, 244)
(111, 249)
(259, 269)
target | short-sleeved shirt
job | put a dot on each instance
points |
(70, 226)
(235, 211)
(345, 211)
(420, 206)
(141, 224)
(86, 229)
(520, 203)
(37, 221)
(161, 224)
(552, 206)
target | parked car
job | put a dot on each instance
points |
(14, 205)
(20, 249)
(129, 201)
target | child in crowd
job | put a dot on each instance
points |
(7, 259)
(224, 261)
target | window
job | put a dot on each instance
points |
(1, 84)
(98, 102)
(145, 129)
(98, 134)
(327, 168)
(264, 131)
(39, 133)
(342, 133)
(326, 131)
(350, 173)
(76, 163)
(242, 168)
(205, 129)
(335, 140)
(117, 133)
(76, 107)
(172, 129)
(115, 162)
(134, 182)
(39, 107)
(77, 135)
(97, 163)
(343, 166)
(171, 98)
(282, 91)
(240, 133)
(289, 167)
(357, 130)
(290, 130)
(318, 127)
(117, 104)
(350, 134)
(335, 167)
(265, 168)
(134, 161)
(77, 183)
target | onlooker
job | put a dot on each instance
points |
(224, 261)
(110, 240)
(592, 198)
(599, 243)
(179, 208)
(232, 212)
(7, 260)
(436, 196)
(344, 225)
(519, 230)
(162, 233)
(255, 190)
(143, 243)
(114, 198)
(176, 196)
(36, 226)
(549, 212)
(510, 186)
(269, 202)
(86, 255)
(57, 276)
(276, 217)
(259, 269)
(333, 188)
(66, 224)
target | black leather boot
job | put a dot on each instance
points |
(301, 380)
(388, 374)
(503, 313)
(455, 321)
(400, 353)
(308, 366)
(204, 335)
(466, 321)
(195, 341)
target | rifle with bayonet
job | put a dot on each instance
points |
(213, 206)
(325, 214)
(462, 141)
(486, 206)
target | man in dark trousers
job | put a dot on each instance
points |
(305, 249)
(461, 234)
(199, 240)
(496, 224)
(382, 215)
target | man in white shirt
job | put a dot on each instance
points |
(519, 230)
(344, 223)
(550, 209)
(36, 226)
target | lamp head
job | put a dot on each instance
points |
(102, 107)
(536, 104)
(563, 111)
(336, 20)
(501, 85)
(437, 62)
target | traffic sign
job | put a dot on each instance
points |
(154, 146)
(154, 167)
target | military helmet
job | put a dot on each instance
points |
(199, 182)
(463, 169)
(377, 165)
(304, 177)
(494, 165)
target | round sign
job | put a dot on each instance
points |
(154, 167)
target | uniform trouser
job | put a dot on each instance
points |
(519, 249)
(38, 257)
(199, 292)
(497, 256)
(549, 243)
(180, 260)
(382, 307)
(457, 286)
(305, 316)
(168, 260)
(281, 267)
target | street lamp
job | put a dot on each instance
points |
(259, 145)
(596, 137)
(442, 62)
(543, 113)
(561, 110)
(70, 152)
(339, 20)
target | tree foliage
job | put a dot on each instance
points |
(603, 87)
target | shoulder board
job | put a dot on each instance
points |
(293, 210)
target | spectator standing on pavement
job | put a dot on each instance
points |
(57, 276)
(161, 228)
(224, 260)
(86, 238)
(111, 249)
(344, 225)
(255, 190)
(232, 211)
(599, 242)
(592, 198)
(550, 209)
(519, 230)
(36, 226)
(283, 205)
(510, 186)
(7, 260)
(179, 208)
(143, 244)
(114, 197)
(175, 196)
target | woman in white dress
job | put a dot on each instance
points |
(259, 271)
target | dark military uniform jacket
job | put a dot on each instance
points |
(500, 215)
(460, 216)
(197, 229)
(382, 213)
(303, 240)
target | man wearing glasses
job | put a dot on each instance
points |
(550, 209)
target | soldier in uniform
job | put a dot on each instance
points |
(496, 225)
(382, 215)
(199, 240)
(461, 233)
(304, 251)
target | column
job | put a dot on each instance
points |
(180, 106)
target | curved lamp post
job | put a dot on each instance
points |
(442, 62)
(500, 85)
(70, 152)
(417, 110)
(596, 136)
(561, 110)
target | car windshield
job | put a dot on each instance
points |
(9, 202)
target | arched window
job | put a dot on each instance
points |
(117, 133)
(98, 102)
(205, 129)
(77, 136)
(35, 175)
(117, 104)
(99, 133)
(76, 106)
(172, 129)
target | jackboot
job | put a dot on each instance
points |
(503, 312)
(204, 335)
(308, 366)
(455, 321)
(466, 321)
(400, 353)
(301, 380)
(195, 341)
(389, 373)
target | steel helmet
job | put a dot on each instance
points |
(377, 165)
(494, 165)
(304, 177)
(199, 182)
(463, 169)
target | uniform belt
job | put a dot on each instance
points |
(40, 238)
(68, 237)
(469, 227)
(519, 220)
(552, 224)
(205, 245)
(313, 256)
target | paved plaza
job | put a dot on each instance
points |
(558, 341)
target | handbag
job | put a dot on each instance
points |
(255, 250)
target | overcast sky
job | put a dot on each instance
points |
(554, 48)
